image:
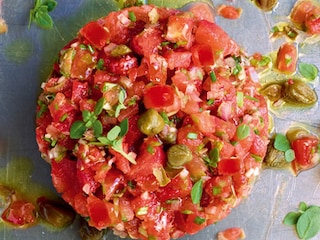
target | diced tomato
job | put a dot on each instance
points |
(178, 59)
(202, 55)
(122, 65)
(202, 11)
(300, 12)
(212, 35)
(157, 66)
(95, 34)
(287, 58)
(101, 213)
(196, 167)
(228, 11)
(180, 29)
(80, 90)
(312, 21)
(125, 208)
(219, 186)
(230, 166)
(234, 233)
(147, 42)
(304, 148)
(113, 183)
(158, 96)
(118, 26)
(86, 179)
(179, 187)
(259, 146)
(190, 136)
(20, 213)
(205, 122)
(61, 107)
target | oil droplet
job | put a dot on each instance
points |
(19, 51)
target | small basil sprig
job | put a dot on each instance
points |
(114, 139)
(306, 220)
(90, 120)
(281, 143)
(40, 13)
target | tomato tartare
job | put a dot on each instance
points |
(152, 123)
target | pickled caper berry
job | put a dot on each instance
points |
(298, 92)
(150, 122)
(178, 155)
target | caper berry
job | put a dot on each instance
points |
(272, 91)
(275, 158)
(150, 122)
(89, 233)
(168, 135)
(296, 91)
(6, 194)
(178, 155)
(296, 133)
(56, 213)
(266, 5)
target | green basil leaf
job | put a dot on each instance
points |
(104, 140)
(97, 128)
(196, 192)
(308, 224)
(124, 126)
(303, 206)
(99, 106)
(86, 115)
(51, 4)
(243, 131)
(77, 129)
(114, 133)
(281, 142)
(289, 155)
(291, 218)
(43, 19)
(309, 71)
(199, 220)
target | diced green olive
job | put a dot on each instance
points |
(151, 122)
(120, 50)
(272, 91)
(295, 133)
(266, 5)
(66, 61)
(275, 158)
(89, 233)
(178, 155)
(55, 213)
(296, 91)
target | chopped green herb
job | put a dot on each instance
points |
(213, 76)
(307, 70)
(216, 190)
(210, 102)
(165, 117)
(196, 192)
(199, 220)
(243, 131)
(281, 142)
(40, 13)
(240, 100)
(100, 64)
(192, 135)
(132, 16)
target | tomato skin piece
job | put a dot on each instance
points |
(178, 59)
(95, 34)
(299, 13)
(158, 96)
(80, 90)
(303, 148)
(312, 21)
(229, 12)
(20, 213)
(211, 34)
(234, 233)
(287, 58)
(202, 55)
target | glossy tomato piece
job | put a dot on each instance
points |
(211, 34)
(202, 11)
(158, 96)
(147, 42)
(80, 90)
(178, 59)
(300, 12)
(287, 58)
(229, 12)
(202, 55)
(312, 21)
(20, 213)
(95, 34)
(230, 166)
(234, 233)
(304, 148)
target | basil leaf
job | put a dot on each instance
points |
(309, 71)
(77, 129)
(196, 192)
(281, 143)
(51, 4)
(243, 131)
(114, 133)
(99, 106)
(308, 224)
(291, 218)
(303, 207)
(124, 126)
(289, 155)
(97, 128)
(42, 18)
